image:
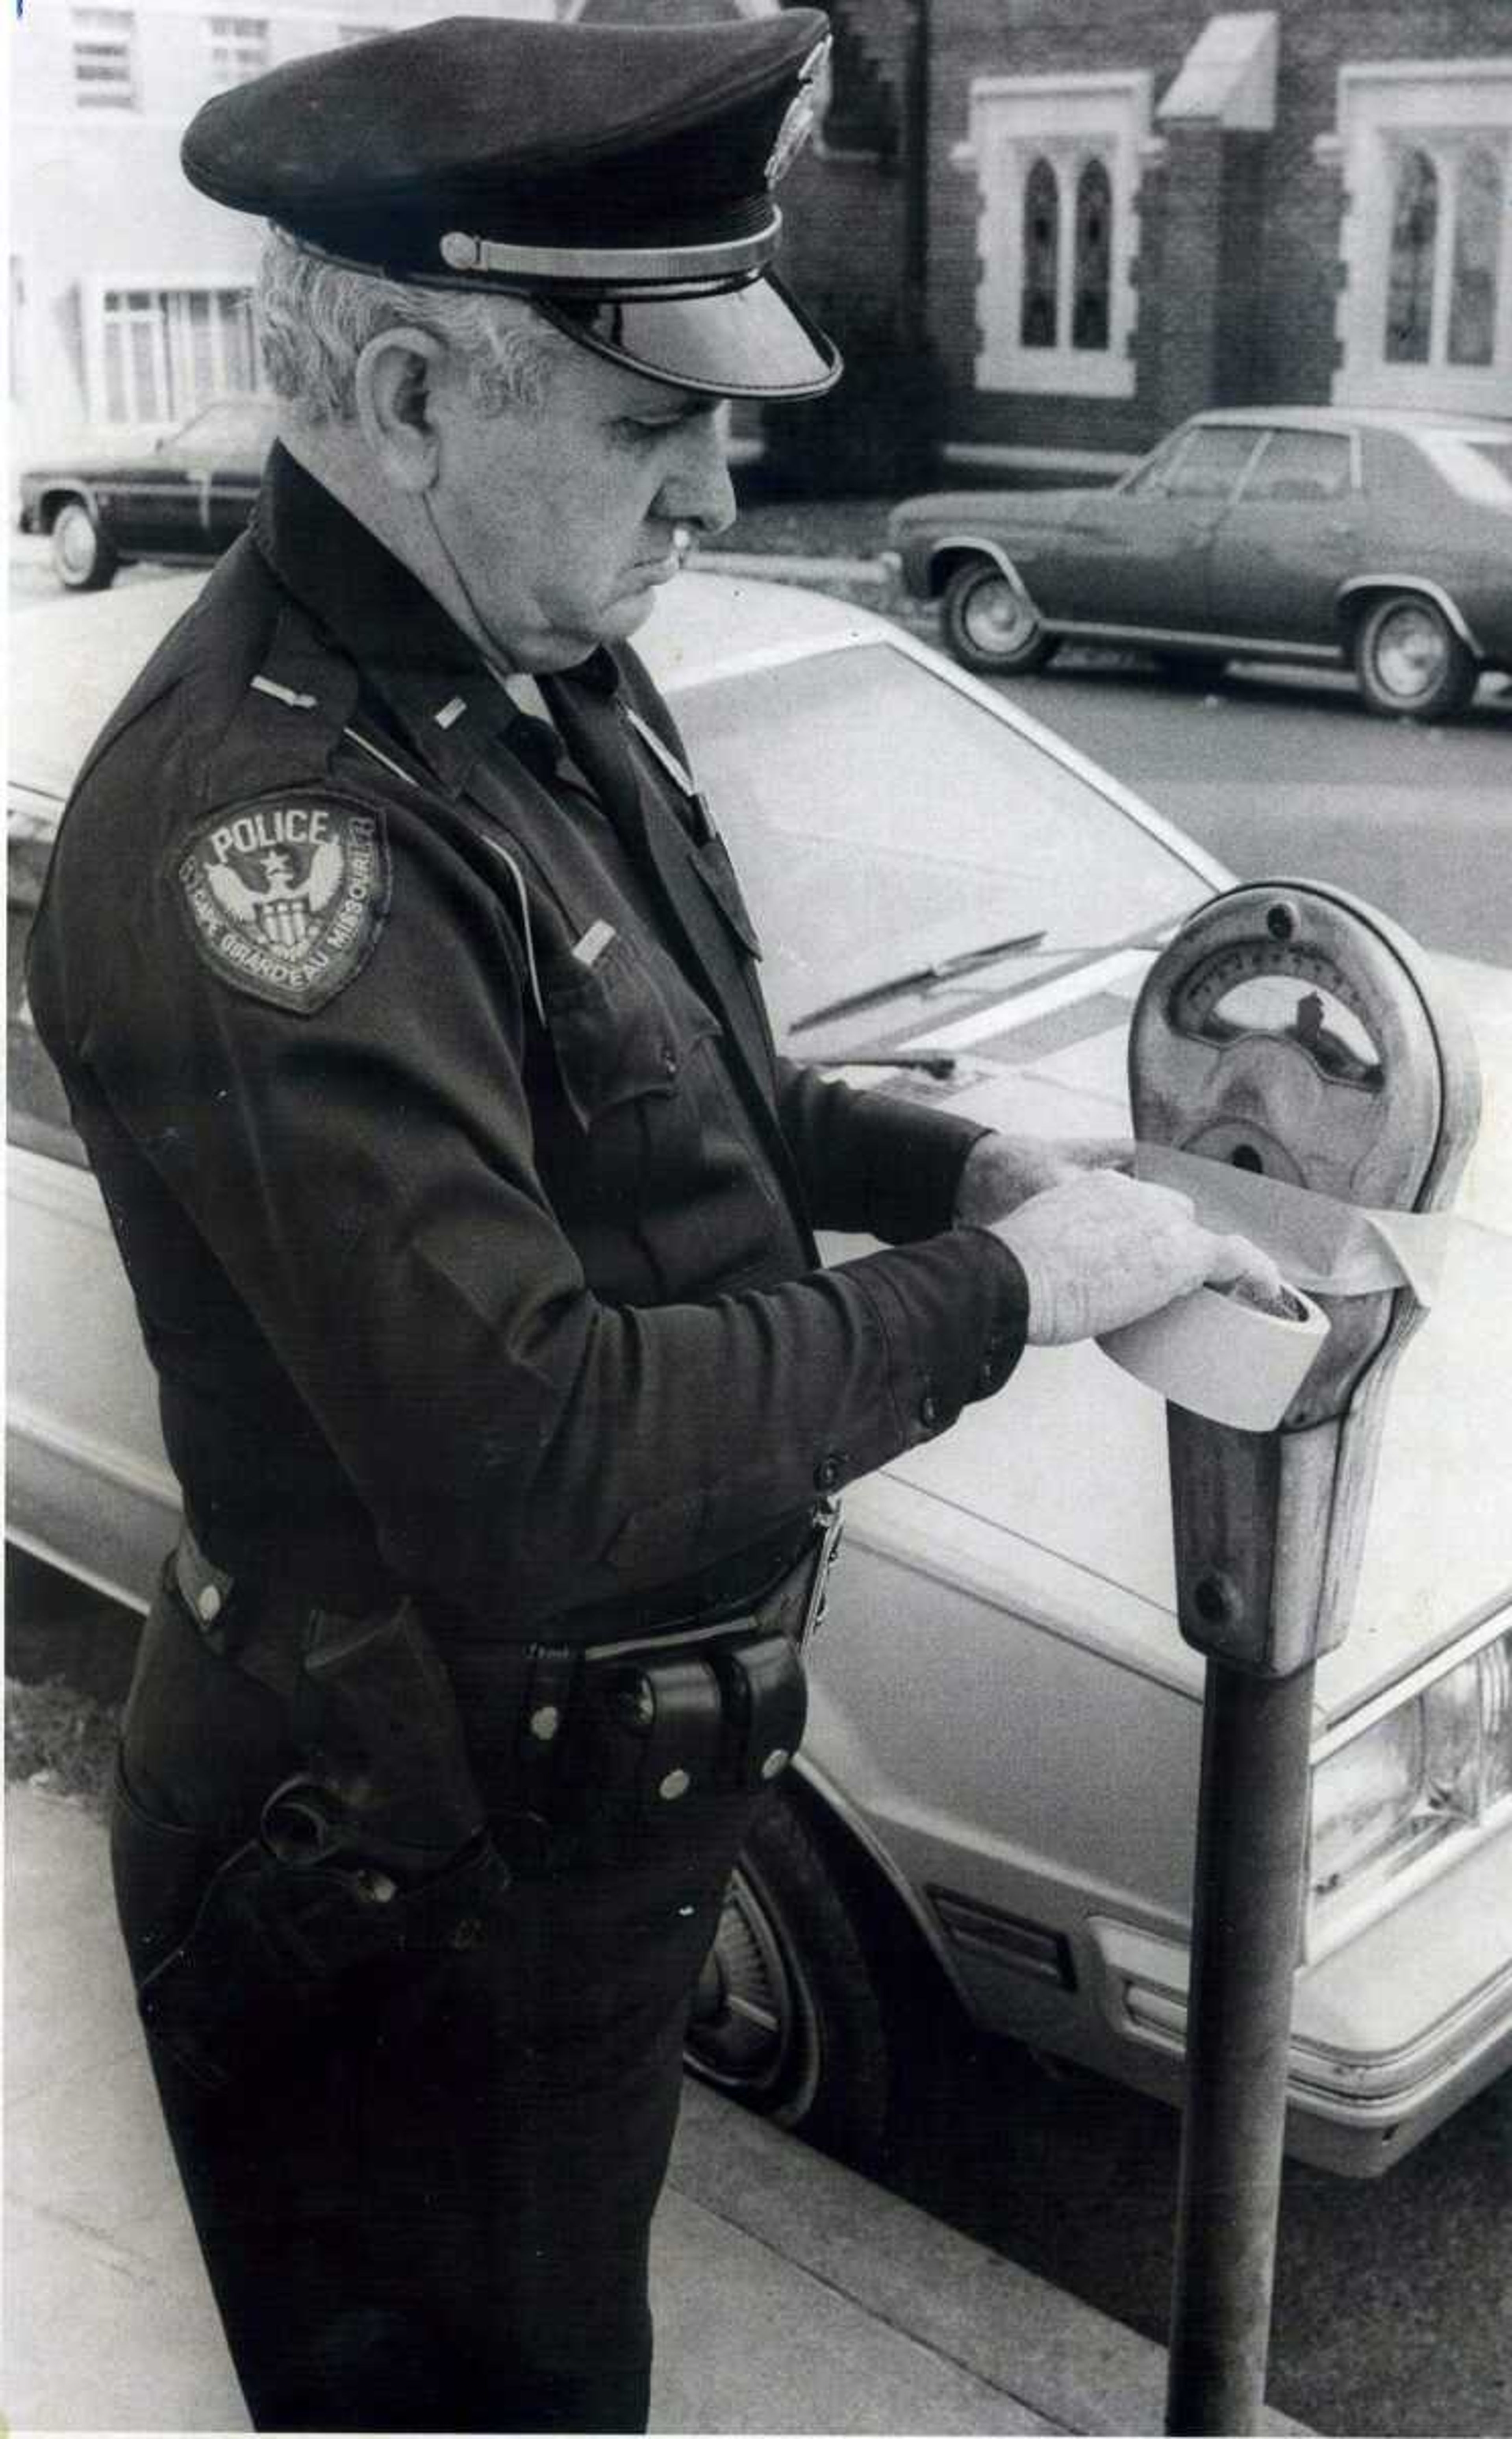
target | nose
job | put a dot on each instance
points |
(697, 489)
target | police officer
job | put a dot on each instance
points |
(407, 1006)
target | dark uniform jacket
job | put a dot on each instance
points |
(425, 1073)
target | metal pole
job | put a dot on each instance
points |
(1251, 1848)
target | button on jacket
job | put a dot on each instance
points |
(475, 1251)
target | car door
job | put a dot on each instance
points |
(1293, 534)
(1137, 557)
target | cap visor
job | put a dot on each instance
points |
(750, 342)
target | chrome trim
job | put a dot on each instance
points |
(658, 266)
(990, 550)
(1428, 584)
(1199, 640)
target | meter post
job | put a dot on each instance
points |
(1290, 1031)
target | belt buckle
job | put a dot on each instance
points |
(829, 1524)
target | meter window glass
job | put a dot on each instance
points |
(1303, 1012)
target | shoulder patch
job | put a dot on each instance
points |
(286, 897)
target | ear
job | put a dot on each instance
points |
(394, 380)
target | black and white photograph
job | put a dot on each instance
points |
(759, 1218)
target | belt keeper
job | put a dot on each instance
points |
(543, 1717)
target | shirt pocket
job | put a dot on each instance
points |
(621, 1034)
(651, 1159)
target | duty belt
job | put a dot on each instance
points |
(703, 1703)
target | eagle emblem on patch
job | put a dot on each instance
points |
(286, 898)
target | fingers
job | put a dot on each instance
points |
(1235, 1262)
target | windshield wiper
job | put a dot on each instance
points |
(945, 970)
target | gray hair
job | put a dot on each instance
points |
(314, 318)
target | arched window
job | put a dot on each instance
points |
(1089, 313)
(1042, 257)
(1409, 281)
(1477, 238)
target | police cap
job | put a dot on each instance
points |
(619, 176)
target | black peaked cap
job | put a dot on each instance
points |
(620, 176)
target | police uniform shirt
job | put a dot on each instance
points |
(468, 1207)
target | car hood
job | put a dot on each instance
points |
(972, 511)
(1439, 1548)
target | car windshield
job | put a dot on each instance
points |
(882, 821)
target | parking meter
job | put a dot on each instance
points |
(1291, 1033)
(1296, 1043)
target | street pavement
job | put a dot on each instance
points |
(790, 2295)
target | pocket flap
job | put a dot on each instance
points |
(618, 1032)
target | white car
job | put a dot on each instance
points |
(998, 1790)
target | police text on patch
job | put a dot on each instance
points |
(286, 900)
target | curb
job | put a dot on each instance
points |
(1047, 2355)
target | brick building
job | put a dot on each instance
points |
(1138, 207)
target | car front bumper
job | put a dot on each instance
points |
(1390, 2034)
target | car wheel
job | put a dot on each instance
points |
(790, 2016)
(81, 558)
(1410, 662)
(989, 626)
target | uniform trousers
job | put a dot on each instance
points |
(428, 2207)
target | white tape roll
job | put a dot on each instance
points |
(1218, 1356)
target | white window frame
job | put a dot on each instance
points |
(1067, 120)
(109, 34)
(168, 318)
(1386, 110)
(239, 47)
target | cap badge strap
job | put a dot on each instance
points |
(799, 123)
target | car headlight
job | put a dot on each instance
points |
(1437, 1765)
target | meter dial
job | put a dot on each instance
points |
(1284, 991)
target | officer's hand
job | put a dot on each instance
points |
(1002, 1170)
(1103, 1249)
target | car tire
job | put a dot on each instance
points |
(989, 626)
(1410, 663)
(792, 2016)
(82, 560)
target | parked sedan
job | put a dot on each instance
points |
(1366, 540)
(183, 503)
(998, 1790)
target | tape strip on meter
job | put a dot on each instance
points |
(1323, 1246)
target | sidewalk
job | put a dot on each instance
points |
(790, 2295)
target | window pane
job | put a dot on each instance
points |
(1041, 258)
(1209, 467)
(146, 407)
(1301, 466)
(1477, 236)
(1089, 320)
(103, 77)
(115, 374)
(238, 49)
(203, 382)
(1410, 287)
(239, 354)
